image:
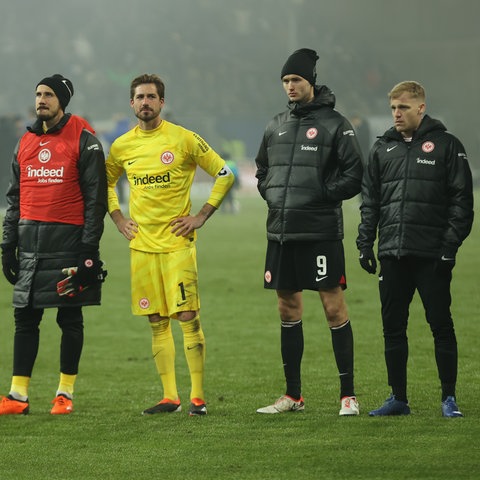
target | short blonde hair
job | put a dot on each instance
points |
(415, 89)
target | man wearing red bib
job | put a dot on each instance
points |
(56, 203)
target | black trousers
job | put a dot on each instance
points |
(399, 279)
(27, 338)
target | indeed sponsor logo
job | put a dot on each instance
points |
(151, 179)
(309, 148)
(44, 172)
(424, 161)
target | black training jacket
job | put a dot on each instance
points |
(308, 162)
(418, 194)
(45, 248)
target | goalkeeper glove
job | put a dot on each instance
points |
(77, 280)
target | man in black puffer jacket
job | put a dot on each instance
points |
(56, 203)
(417, 191)
(308, 163)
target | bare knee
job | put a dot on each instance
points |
(290, 306)
(186, 316)
(336, 317)
(334, 306)
(156, 318)
(180, 316)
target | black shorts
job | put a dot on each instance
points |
(297, 266)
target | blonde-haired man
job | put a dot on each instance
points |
(417, 192)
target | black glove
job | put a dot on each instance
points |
(89, 269)
(367, 260)
(10, 265)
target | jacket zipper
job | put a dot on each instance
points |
(292, 153)
(407, 161)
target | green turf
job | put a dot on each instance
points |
(107, 438)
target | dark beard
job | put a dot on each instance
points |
(145, 115)
(45, 116)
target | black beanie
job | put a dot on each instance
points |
(301, 62)
(62, 87)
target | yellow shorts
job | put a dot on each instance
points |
(164, 283)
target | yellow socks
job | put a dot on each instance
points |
(19, 388)
(194, 346)
(66, 384)
(163, 349)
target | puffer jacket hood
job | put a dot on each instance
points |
(324, 97)
(37, 126)
(427, 125)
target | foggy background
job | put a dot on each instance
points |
(221, 61)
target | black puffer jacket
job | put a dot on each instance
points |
(308, 162)
(44, 248)
(418, 194)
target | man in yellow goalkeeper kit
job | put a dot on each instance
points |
(159, 159)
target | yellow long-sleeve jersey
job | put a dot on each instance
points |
(160, 166)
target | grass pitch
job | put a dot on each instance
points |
(107, 438)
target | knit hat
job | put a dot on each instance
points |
(62, 87)
(301, 62)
